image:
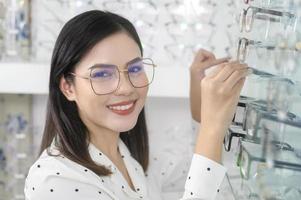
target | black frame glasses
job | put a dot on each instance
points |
(232, 132)
(237, 131)
(146, 62)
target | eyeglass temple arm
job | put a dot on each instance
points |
(80, 76)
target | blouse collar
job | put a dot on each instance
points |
(135, 170)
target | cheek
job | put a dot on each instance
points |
(142, 94)
(82, 88)
(87, 101)
(142, 99)
(85, 94)
(143, 91)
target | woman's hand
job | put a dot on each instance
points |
(220, 94)
(202, 61)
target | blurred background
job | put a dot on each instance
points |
(262, 147)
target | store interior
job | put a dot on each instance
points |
(262, 148)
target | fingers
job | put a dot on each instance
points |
(238, 87)
(228, 70)
(206, 59)
(219, 63)
(203, 54)
(216, 70)
(213, 62)
(235, 77)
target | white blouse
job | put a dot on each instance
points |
(59, 178)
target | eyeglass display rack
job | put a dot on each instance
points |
(265, 135)
(16, 149)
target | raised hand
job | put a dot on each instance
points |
(202, 61)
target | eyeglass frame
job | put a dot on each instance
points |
(263, 113)
(231, 133)
(245, 174)
(244, 43)
(261, 44)
(243, 26)
(242, 105)
(119, 72)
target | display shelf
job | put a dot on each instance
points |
(24, 78)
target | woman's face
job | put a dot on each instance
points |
(117, 111)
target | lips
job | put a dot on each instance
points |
(122, 108)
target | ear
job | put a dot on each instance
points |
(67, 89)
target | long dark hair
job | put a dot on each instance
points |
(63, 124)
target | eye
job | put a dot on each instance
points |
(135, 69)
(101, 74)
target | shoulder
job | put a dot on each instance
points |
(54, 176)
(51, 164)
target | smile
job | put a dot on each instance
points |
(123, 108)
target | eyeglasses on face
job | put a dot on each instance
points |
(105, 78)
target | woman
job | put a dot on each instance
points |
(95, 143)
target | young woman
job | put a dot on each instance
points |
(95, 143)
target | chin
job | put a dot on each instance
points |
(124, 127)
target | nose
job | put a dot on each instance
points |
(125, 87)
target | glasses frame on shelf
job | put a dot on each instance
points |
(247, 27)
(245, 160)
(264, 113)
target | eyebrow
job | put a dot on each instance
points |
(110, 65)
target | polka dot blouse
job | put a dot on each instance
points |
(59, 178)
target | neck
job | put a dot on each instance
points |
(105, 140)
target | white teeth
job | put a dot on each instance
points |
(125, 107)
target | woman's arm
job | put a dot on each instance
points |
(202, 61)
(220, 93)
